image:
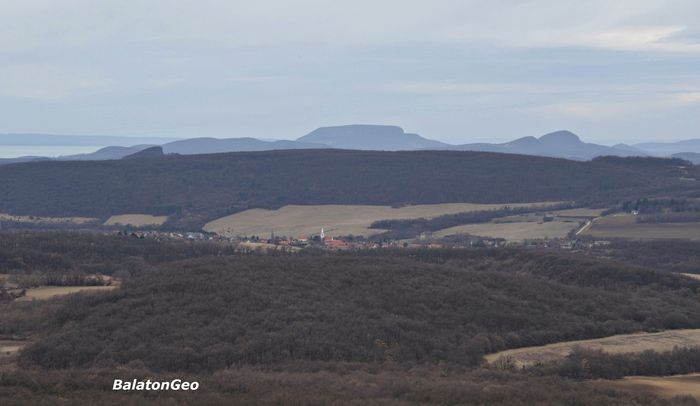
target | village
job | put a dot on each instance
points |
(324, 241)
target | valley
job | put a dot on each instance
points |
(553, 279)
(391, 203)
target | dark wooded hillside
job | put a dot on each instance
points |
(410, 307)
(200, 187)
(60, 253)
(384, 327)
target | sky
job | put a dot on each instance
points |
(458, 71)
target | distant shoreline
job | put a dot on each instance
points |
(52, 151)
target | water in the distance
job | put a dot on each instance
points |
(14, 151)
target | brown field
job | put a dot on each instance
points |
(136, 220)
(46, 220)
(623, 343)
(663, 386)
(10, 347)
(513, 231)
(625, 226)
(48, 292)
(9, 352)
(294, 221)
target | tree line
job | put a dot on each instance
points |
(584, 363)
(409, 228)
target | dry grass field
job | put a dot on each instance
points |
(46, 220)
(513, 231)
(10, 347)
(9, 352)
(625, 226)
(294, 221)
(136, 220)
(623, 343)
(48, 292)
(663, 386)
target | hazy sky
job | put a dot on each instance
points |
(458, 71)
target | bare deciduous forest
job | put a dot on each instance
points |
(197, 188)
(415, 323)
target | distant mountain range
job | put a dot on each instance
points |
(561, 144)
(215, 145)
(101, 154)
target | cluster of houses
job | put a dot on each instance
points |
(318, 241)
(325, 241)
(321, 240)
(169, 236)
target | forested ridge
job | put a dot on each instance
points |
(59, 253)
(197, 188)
(382, 327)
(671, 255)
(220, 312)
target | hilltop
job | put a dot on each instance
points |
(564, 144)
(371, 137)
(150, 152)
